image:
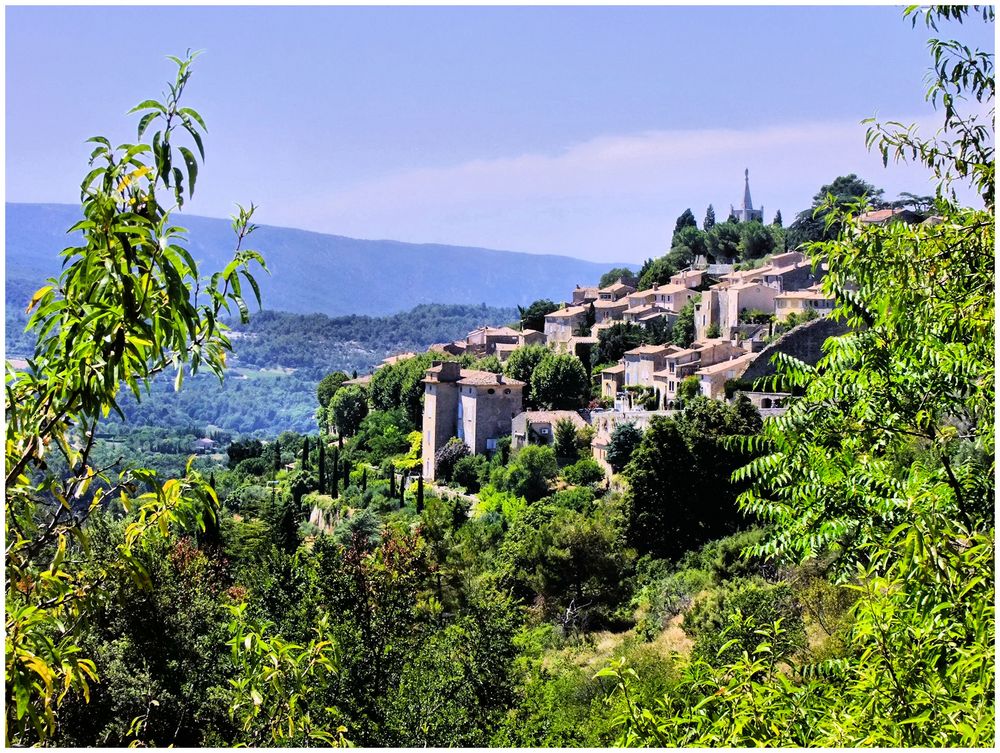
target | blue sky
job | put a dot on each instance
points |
(581, 131)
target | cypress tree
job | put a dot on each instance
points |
(335, 466)
(305, 453)
(420, 493)
(364, 478)
(709, 222)
(777, 219)
(321, 470)
(347, 473)
(392, 483)
(334, 484)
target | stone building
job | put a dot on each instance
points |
(540, 426)
(747, 213)
(475, 406)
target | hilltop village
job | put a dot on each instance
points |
(741, 317)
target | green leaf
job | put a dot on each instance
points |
(190, 112)
(147, 104)
(192, 168)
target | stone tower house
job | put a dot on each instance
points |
(475, 406)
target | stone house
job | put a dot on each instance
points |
(586, 295)
(606, 311)
(800, 301)
(690, 278)
(722, 304)
(615, 291)
(712, 379)
(681, 364)
(475, 406)
(540, 426)
(484, 340)
(560, 325)
(640, 363)
(612, 380)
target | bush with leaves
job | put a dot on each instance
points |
(529, 473)
(347, 409)
(129, 304)
(559, 382)
(624, 439)
(586, 472)
(447, 456)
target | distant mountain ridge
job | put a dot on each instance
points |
(317, 273)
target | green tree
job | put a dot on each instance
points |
(811, 224)
(565, 439)
(350, 406)
(585, 472)
(613, 341)
(756, 241)
(709, 222)
(533, 317)
(683, 331)
(530, 472)
(521, 365)
(724, 241)
(559, 382)
(328, 387)
(685, 220)
(777, 219)
(127, 306)
(625, 438)
(613, 275)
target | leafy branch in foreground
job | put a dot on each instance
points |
(129, 304)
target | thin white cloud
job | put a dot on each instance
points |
(609, 198)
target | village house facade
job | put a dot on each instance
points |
(539, 426)
(474, 406)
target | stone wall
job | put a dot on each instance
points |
(804, 342)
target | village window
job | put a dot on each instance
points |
(491, 444)
(507, 391)
(491, 391)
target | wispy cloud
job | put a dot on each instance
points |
(609, 198)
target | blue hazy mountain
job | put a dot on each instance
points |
(314, 272)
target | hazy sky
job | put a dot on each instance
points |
(580, 131)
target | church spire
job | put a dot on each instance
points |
(747, 203)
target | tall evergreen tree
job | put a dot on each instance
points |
(709, 222)
(364, 479)
(685, 220)
(305, 453)
(334, 467)
(420, 493)
(777, 219)
(392, 482)
(321, 467)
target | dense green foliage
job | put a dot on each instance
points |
(883, 470)
(823, 578)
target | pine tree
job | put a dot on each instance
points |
(334, 483)
(709, 219)
(777, 219)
